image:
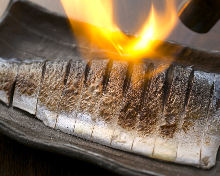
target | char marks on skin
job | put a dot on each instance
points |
(128, 116)
(175, 86)
(87, 70)
(200, 92)
(28, 78)
(92, 90)
(189, 87)
(150, 110)
(51, 91)
(167, 84)
(152, 105)
(171, 114)
(195, 119)
(70, 96)
(174, 103)
(110, 104)
(210, 137)
(107, 75)
(72, 90)
(28, 85)
(217, 92)
(52, 84)
(8, 73)
(127, 80)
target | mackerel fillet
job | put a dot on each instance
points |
(172, 115)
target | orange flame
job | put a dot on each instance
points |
(93, 20)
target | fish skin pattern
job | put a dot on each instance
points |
(172, 114)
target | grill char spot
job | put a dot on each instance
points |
(67, 72)
(218, 96)
(127, 81)
(167, 84)
(11, 94)
(87, 70)
(147, 82)
(211, 95)
(43, 70)
(106, 75)
(190, 83)
(168, 130)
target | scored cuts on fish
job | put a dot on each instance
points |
(172, 115)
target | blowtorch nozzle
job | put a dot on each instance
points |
(200, 15)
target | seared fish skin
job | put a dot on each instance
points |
(172, 115)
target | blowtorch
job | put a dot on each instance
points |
(200, 15)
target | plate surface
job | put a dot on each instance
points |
(30, 32)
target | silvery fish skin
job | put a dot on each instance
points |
(172, 115)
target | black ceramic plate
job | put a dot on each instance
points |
(27, 31)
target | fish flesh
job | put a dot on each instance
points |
(172, 114)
